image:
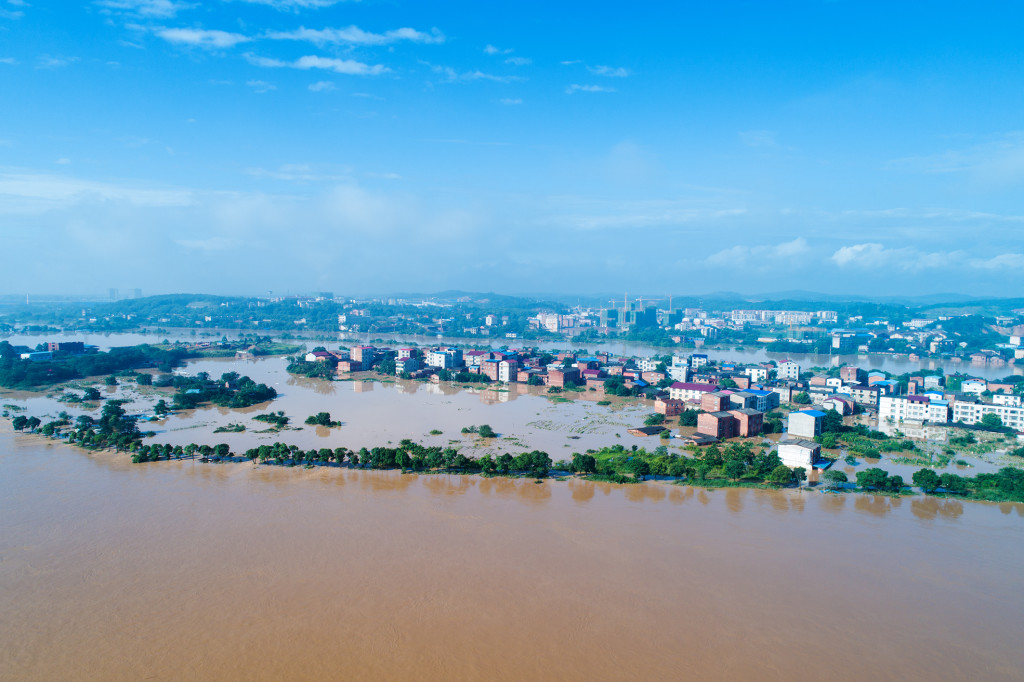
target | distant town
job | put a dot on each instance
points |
(980, 333)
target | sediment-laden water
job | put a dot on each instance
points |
(176, 570)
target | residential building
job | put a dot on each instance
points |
(698, 360)
(715, 402)
(788, 370)
(742, 399)
(805, 423)
(897, 409)
(407, 365)
(799, 453)
(444, 358)
(757, 374)
(559, 376)
(648, 364)
(508, 371)
(764, 401)
(721, 425)
(749, 422)
(689, 391)
(865, 395)
(841, 404)
(679, 373)
(489, 368)
(852, 375)
(669, 407)
(1003, 399)
(971, 413)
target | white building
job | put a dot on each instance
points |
(971, 413)
(975, 386)
(698, 360)
(788, 370)
(805, 423)
(765, 401)
(648, 364)
(444, 358)
(799, 453)
(508, 370)
(679, 373)
(407, 365)
(1004, 399)
(756, 374)
(919, 408)
(684, 391)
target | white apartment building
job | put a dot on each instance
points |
(896, 409)
(788, 370)
(684, 391)
(971, 413)
(757, 374)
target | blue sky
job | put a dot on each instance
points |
(243, 146)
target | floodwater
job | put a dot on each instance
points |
(896, 364)
(180, 570)
(376, 411)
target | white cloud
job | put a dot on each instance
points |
(356, 36)
(48, 62)
(1004, 261)
(758, 138)
(321, 86)
(873, 256)
(209, 39)
(491, 49)
(610, 71)
(261, 87)
(451, 75)
(764, 255)
(8, 60)
(62, 161)
(511, 101)
(147, 8)
(519, 61)
(22, 193)
(345, 66)
(575, 87)
(996, 161)
(294, 5)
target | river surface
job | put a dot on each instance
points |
(895, 364)
(180, 570)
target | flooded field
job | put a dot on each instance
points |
(376, 410)
(178, 570)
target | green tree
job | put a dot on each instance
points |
(833, 479)
(926, 479)
(991, 421)
(486, 431)
(639, 467)
(583, 464)
(654, 419)
(802, 398)
(781, 475)
(688, 418)
(734, 468)
(833, 422)
(110, 380)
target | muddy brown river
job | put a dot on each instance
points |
(180, 570)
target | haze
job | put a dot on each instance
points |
(239, 147)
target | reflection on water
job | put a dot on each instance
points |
(929, 508)
(256, 572)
